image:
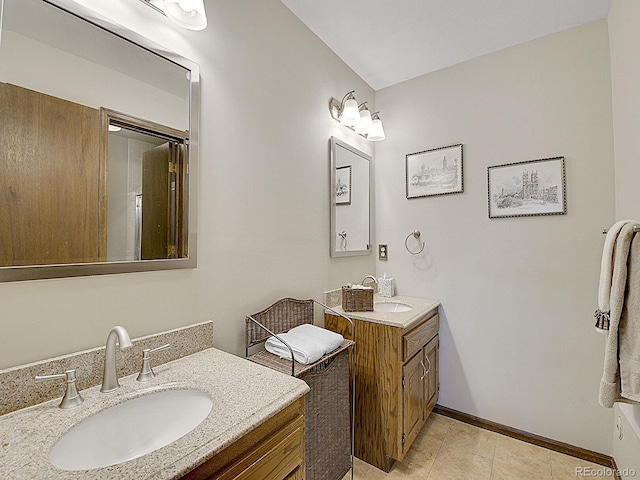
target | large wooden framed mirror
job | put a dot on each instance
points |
(98, 146)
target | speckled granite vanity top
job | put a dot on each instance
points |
(244, 396)
(419, 307)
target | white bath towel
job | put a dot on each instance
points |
(308, 342)
(606, 274)
(305, 350)
(622, 351)
(329, 340)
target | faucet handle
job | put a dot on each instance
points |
(146, 372)
(71, 397)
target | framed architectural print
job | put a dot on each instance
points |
(343, 185)
(434, 172)
(535, 187)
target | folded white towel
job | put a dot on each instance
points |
(330, 340)
(308, 342)
(305, 350)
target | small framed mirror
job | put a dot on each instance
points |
(350, 200)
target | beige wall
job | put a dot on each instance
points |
(625, 79)
(263, 220)
(517, 340)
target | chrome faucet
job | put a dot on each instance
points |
(110, 376)
(371, 277)
(146, 372)
(71, 397)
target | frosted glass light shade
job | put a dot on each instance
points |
(350, 114)
(376, 132)
(188, 14)
(365, 122)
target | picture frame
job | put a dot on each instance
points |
(530, 188)
(343, 185)
(437, 171)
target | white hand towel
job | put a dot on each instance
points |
(305, 350)
(328, 339)
(606, 273)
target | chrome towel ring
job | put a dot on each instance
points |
(416, 235)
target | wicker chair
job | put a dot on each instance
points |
(328, 430)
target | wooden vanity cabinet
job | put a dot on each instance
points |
(396, 384)
(272, 451)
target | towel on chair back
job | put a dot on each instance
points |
(308, 342)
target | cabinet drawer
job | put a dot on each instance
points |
(276, 458)
(419, 336)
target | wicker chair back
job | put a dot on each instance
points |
(280, 317)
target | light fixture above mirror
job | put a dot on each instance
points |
(357, 117)
(188, 14)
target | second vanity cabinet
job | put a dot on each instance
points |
(396, 368)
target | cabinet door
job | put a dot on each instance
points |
(413, 399)
(431, 384)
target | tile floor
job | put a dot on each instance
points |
(447, 449)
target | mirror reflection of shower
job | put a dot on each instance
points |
(138, 237)
(141, 193)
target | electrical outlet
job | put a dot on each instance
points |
(383, 252)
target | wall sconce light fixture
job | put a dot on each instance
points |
(376, 132)
(357, 117)
(188, 14)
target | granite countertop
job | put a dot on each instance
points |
(420, 306)
(244, 395)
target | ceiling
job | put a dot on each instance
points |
(389, 41)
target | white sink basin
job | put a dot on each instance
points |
(131, 429)
(391, 307)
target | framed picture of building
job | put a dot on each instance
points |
(434, 172)
(535, 187)
(343, 185)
